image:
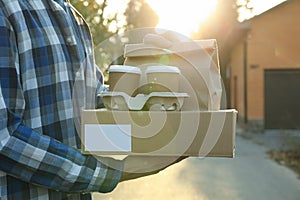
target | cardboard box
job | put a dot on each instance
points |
(192, 133)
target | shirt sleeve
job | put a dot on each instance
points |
(36, 158)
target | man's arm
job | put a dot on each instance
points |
(35, 158)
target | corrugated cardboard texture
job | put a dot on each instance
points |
(192, 133)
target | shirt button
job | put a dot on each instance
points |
(78, 74)
(69, 40)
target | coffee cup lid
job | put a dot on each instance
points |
(163, 68)
(124, 69)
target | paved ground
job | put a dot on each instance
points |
(251, 175)
(283, 145)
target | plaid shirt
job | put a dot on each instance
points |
(46, 67)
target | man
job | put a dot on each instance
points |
(47, 72)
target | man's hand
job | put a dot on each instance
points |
(140, 166)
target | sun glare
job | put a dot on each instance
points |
(182, 16)
(259, 7)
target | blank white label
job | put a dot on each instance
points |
(107, 137)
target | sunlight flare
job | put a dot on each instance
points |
(182, 16)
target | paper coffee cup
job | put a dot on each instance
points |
(124, 78)
(163, 78)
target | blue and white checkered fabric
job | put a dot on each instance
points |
(46, 67)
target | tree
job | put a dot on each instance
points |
(221, 25)
(139, 14)
(108, 19)
(244, 6)
(102, 22)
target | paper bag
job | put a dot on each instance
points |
(198, 63)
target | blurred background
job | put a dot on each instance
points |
(259, 47)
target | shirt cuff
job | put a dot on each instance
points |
(113, 174)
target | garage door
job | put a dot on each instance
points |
(282, 99)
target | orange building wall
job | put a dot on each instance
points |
(272, 43)
(237, 80)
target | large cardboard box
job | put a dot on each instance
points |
(191, 133)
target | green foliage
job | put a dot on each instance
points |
(93, 12)
(108, 19)
(139, 15)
